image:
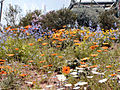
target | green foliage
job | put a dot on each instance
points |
(13, 15)
(27, 19)
(86, 14)
(57, 19)
(107, 19)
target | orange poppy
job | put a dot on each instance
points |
(16, 48)
(8, 67)
(96, 45)
(50, 65)
(112, 75)
(10, 54)
(1, 63)
(44, 44)
(2, 60)
(104, 47)
(30, 61)
(94, 66)
(66, 69)
(94, 55)
(60, 56)
(105, 50)
(42, 61)
(76, 41)
(54, 54)
(82, 62)
(64, 26)
(113, 38)
(3, 72)
(109, 66)
(92, 47)
(23, 75)
(42, 54)
(77, 44)
(45, 66)
(31, 44)
(25, 65)
(58, 46)
(99, 50)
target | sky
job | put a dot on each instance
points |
(27, 5)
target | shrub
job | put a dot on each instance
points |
(85, 15)
(107, 19)
(29, 17)
(57, 19)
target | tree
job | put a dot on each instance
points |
(30, 17)
(57, 19)
(13, 15)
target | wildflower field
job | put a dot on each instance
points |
(65, 59)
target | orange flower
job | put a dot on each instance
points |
(53, 29)
(23, 75)
(50, 65)
(82, 62)
(94, 66)
(58, 46)
(10, 55)
(76, 41)
(54, 54)
(44, 44)
(61, 40)
(30, 61)
(99, 50)
(112, 75)
(96, 45)
(1, 63)
(66, 70)
(42, 61)
(25, 65)
(92, 47)
(105, 50)
(94, 55)
(45, 66)
(84, 59)
(60, 56)
(64, 26)
(113, 38)
(105, 47)
(31, 44)
(8, 67)
(42, 54)
(2, 60)
(3, 72)
(109, 66)
(16, 48)
(77, 44)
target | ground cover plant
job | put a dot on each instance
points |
(68, 59)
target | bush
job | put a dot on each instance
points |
(57, 19)
(107, 19)
(85, 15)
(29, 17)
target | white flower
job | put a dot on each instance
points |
(49, 86)
(75, 76)
(89, 76)
(76, 88)
(79, 68)
(68, 85)
(103, 80)
(73, 73)
(98, 73)
(81, 83)
(61, 77)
